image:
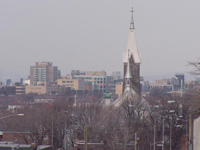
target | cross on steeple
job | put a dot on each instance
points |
(132, 22)
(132, 11)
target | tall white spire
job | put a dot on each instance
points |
(132, 44)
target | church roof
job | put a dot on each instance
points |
(129, 93)
(131, 49)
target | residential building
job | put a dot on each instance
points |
(14, 106)
(43, 71)
(8, 90)
(20, 89)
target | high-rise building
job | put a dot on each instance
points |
(181, 80)
(43, 71)
(132, 55)
(21, 81)
(8, 82)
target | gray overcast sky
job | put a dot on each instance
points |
(92, 34)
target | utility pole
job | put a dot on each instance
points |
(65, 139)
(154, 137)
(170, 134)
(191, 131)
(52, 131)
(85, 137)
(186, 136)
(163, 135)
(135, 141)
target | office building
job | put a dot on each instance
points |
(74, 84)
(96, 78)
(181, 80)
(40, 88)
(43, 71)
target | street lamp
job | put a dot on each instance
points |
(170, 134)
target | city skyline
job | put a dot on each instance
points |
(93, 35)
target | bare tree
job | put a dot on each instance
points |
(196, 67)
(90, 115)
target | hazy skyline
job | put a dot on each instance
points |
(92, 35)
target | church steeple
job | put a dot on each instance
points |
(131, 60)
(132, 21)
